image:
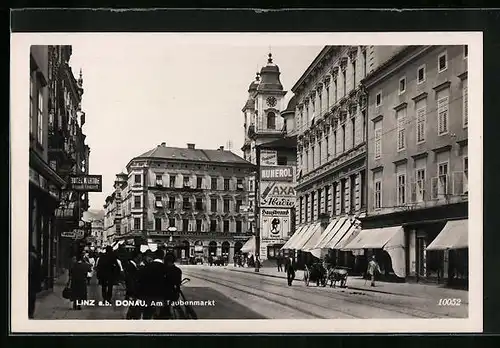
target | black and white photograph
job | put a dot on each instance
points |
(246, 182)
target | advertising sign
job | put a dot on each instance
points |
(275, 223)
(68, 234)
(85, 183)
(277, 194)
(268, 158)
(276, 173)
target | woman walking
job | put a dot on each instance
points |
(78, 281)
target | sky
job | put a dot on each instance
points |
(138, 95)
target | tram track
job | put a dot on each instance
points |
(263, 294)
(392, 307)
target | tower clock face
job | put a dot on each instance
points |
(271, 101)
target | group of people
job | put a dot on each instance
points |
(150, 277)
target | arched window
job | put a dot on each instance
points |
(271, 120)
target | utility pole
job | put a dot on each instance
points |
(257, 208)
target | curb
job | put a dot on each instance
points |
(349, 287)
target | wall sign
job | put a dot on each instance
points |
(268, 158)
(276, 173)
(86, 183)
(277, 194)
(275, 223)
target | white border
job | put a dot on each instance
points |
(20, 44)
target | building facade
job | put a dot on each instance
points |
(269, 137)
(418, 159)
(331, 122)
(186, 198)
(45, 184)
(68, 152)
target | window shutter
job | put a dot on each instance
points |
(443, 115)
(421, 124)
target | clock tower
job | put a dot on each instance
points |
(269, 99)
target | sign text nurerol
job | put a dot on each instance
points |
(87, 183)
(278, 173)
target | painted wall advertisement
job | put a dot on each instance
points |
(275, 224)
(277, 194)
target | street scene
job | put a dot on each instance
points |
(194, 182)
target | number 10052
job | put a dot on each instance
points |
(449, 302)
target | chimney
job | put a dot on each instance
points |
(190, 146)
(221, 148)
(163, 144)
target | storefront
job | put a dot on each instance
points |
(44, 196)
(430, 247)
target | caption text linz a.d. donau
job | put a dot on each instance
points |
(143, 303)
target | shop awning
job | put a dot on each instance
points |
(249, 246)
(454, 235)
(375, 238)
(340, 229)
(306, 234)
(293, 238)
(326, 235)
(313, 239)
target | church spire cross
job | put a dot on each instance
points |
(270, 59)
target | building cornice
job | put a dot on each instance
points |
(420, 155)
(441, 86)
(419, 97)
(394, 64)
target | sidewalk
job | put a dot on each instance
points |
(54, 306)
(357, 283)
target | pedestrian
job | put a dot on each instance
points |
(77, 281)
(108, 272)
(235, 259)
(373, 267)
(173, 285)
(152, 286)
(35, 280)
(92, 262)
(132, 268)
(279, 261)
(290, 270)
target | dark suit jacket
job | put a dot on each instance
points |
(108, 268)
(290, 266)
(174, 278)
(152, 282)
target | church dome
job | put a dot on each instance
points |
(270, 76)
(255, 83)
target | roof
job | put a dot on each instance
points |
(321, 55)
(292, 103)
(199, 155)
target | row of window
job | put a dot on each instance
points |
(419, 190)
(187, 204)
(191, 225)
(316, 154)
(421, 112)
(36, 107)
(323, 100)
(341, 195)
(421, 74)
(187, 182)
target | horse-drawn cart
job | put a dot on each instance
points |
(315, 273)
(338, 274)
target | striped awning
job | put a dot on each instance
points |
(293, 238)
(304, 238)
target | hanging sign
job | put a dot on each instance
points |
(85, 183)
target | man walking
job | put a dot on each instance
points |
(290, 271)
(131, 281)
(108, 272)
(35, 280)
(373, 267)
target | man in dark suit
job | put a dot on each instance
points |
(290, 270)
(152, 285)
(132, 268)
(108, 272)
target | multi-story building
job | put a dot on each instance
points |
(331, 122)
(187, 198)
(418, 163)
(116, 213)
(45, 184)
(68, 154)
(269, 127)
